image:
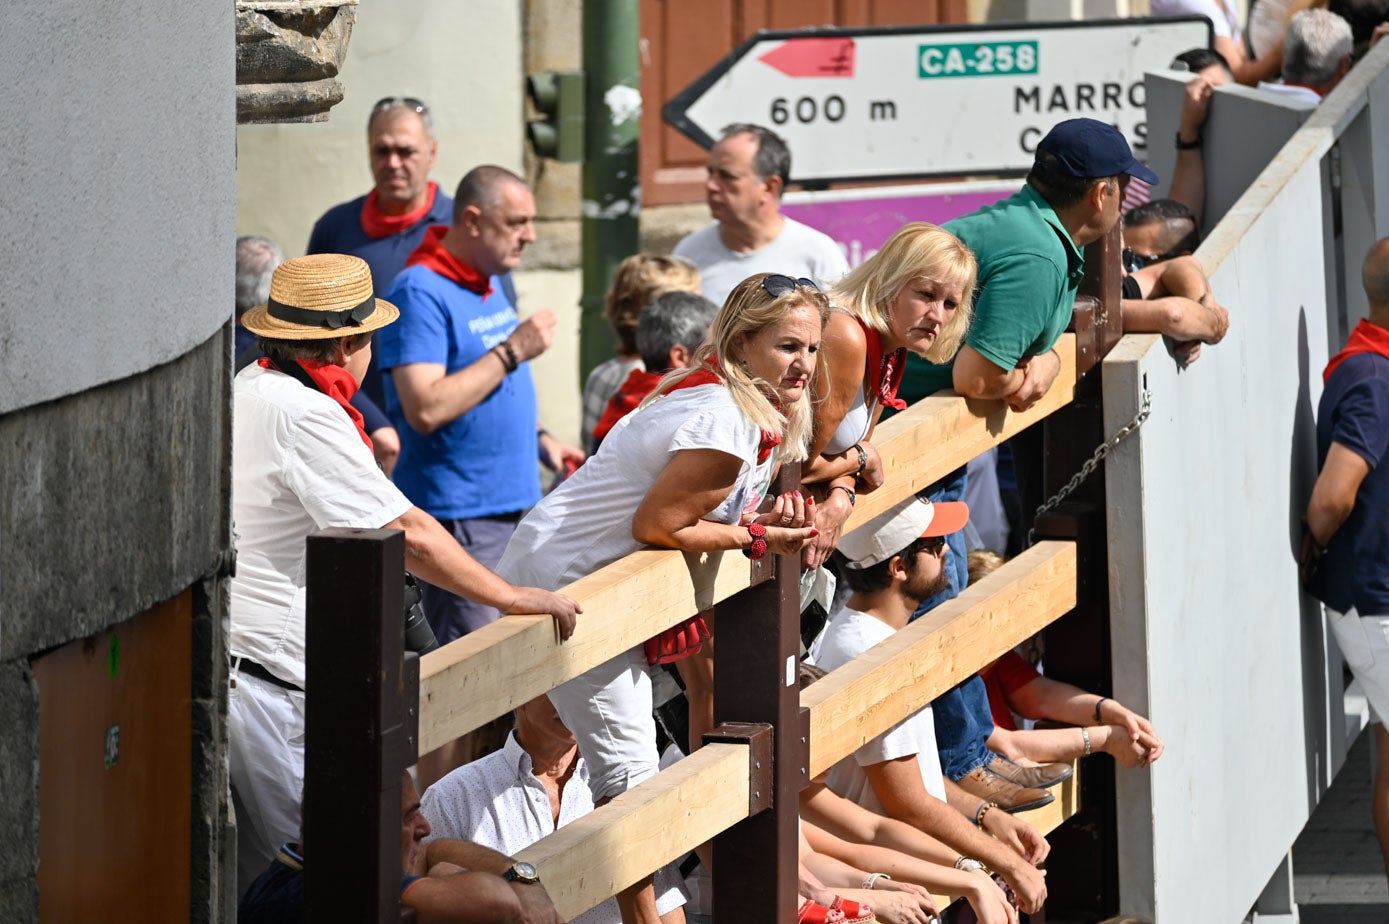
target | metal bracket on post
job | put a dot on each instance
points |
(758, 736)
(755, 684)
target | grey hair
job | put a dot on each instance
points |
(673, 319)
(773, 157)
(1317, 42)
(256, 259)
(409, 104)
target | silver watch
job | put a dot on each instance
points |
(968, 865)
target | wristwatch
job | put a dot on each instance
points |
(848, 492)
(521, 872)
(968, 865)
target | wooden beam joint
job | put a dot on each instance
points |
(759, 738)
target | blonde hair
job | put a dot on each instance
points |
(750, 308)
(637, 282)
(917, 251)
(982, 563)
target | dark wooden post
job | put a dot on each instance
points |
(758, 637)
(362, 724)
(1083, 867)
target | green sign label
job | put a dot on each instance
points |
(973, 59)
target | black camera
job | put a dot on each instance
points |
(419, 637)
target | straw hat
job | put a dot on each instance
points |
(318, 297)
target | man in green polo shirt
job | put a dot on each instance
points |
(1029, 248)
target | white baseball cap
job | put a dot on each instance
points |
(893, 530)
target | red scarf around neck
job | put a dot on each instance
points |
(708, 376)
(1366, 338)
(431, 253)
(638, 385)
(885, 372)
(335, 382)
(378, 224)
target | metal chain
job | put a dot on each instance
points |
(1105, 448)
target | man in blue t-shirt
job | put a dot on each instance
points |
(387, 224)
(1345, 546)
(460, 389)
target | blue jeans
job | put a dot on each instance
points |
(963, 720)
(949, 488)
(963, 726)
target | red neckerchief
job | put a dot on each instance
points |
(335, 382)
(638, 385)
(377, 223)
(431, 253)
(707, 376)
(885, 372)
(1366, 338)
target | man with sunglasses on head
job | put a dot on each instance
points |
(1165, 290)
(385, 225)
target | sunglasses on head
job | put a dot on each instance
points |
(777, 285)
(391, 102)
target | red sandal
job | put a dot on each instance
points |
(854, 912)
(815, 913)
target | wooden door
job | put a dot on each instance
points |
(681, 40)
(116, 771)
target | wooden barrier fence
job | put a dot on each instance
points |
(740, 789)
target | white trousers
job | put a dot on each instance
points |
(266, 764)
(608, 708)
(1364, 642)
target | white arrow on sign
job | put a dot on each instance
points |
(932, 100)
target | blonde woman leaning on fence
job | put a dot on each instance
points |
(687, 470)
(914, 294)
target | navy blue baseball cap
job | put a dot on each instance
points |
(1091, 149)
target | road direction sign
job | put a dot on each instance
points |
(932, 100)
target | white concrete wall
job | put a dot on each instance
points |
(1212, 636)
(118, 121)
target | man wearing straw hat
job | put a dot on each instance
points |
(301, 462)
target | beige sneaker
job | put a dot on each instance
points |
(1009, 796)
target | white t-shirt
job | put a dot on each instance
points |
(1291, 91)
(799, 250)
(848, 634)
(498, 802)
(1222, 13)
(586, 522)
(298, 466)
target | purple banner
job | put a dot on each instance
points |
(861, 225)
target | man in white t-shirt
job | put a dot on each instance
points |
(302, 462)
(1316, 56)
(535, 784)
(748, 171)
(893, 562)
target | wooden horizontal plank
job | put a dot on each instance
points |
(643, 829)
(860, 700)
(940, 433)
(487, 673)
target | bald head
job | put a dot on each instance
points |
(1375, 276)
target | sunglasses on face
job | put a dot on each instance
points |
(931, 545)
(1133, 262)
(777, 285)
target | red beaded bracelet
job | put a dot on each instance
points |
(759, 544)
